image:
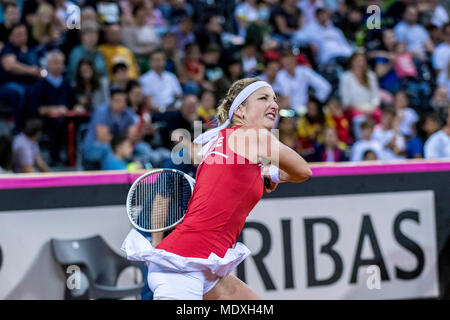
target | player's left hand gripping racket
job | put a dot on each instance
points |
(157, 200)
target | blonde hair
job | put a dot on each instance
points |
(235, 89)
(40, 29)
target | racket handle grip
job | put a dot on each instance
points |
(267, 182)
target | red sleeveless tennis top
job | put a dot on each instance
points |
(227, 187)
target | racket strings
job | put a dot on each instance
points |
(160, 200)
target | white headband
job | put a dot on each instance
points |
(209, 136)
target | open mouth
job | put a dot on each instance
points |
(271, 115)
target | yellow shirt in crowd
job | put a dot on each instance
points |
(115, 54)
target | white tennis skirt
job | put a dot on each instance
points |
(166, 268)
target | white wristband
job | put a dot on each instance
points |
(274, 173)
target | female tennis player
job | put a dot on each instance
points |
(195, 261)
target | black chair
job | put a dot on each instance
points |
(99, 268)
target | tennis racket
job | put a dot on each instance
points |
(158, 200)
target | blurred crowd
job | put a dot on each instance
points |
(96, 85)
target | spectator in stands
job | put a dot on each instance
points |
(414, 145)
(174, 10)
(139, 37)
(25, 150)
(193, 72)
(413, 34)
(27, 10)
(91, 90)
(422, 130)
(138, 103)
(431, 125)
(160, 86)
(403, 63)
(294, 81)
(55, 42)
(120, 156)
(12, 16)
(44, 24)
(366, 143)
(384, 59)
(440, 99)
(438, 145)
(87, 50)
(18, 70)
(146, 131)
(89, 14)
(211, 58)
(286, 19)
(52, 98)
(407, 116)
(387, 133)
(233, 72)
(311, 126)
(126, 10)
(245, 13)
(178, 119)
(184, 34)
(287, 126)
(108, 11)
(396, 10)
(173, 60)
(120, 76)
(251, 61)
(269, 74)
(328, 42)
(441, 54)
(370, 155)
(443, 78)
(155, 18)
(309, 9)
(5, 154)
(207, 109)
(335, 117)
(210, 33)
(329, 151)
(259, 31)
(348, 17)
(108, 121)
(358, 88)
(136, 99)
(439, 15)
(436, 34)
(114, 52)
